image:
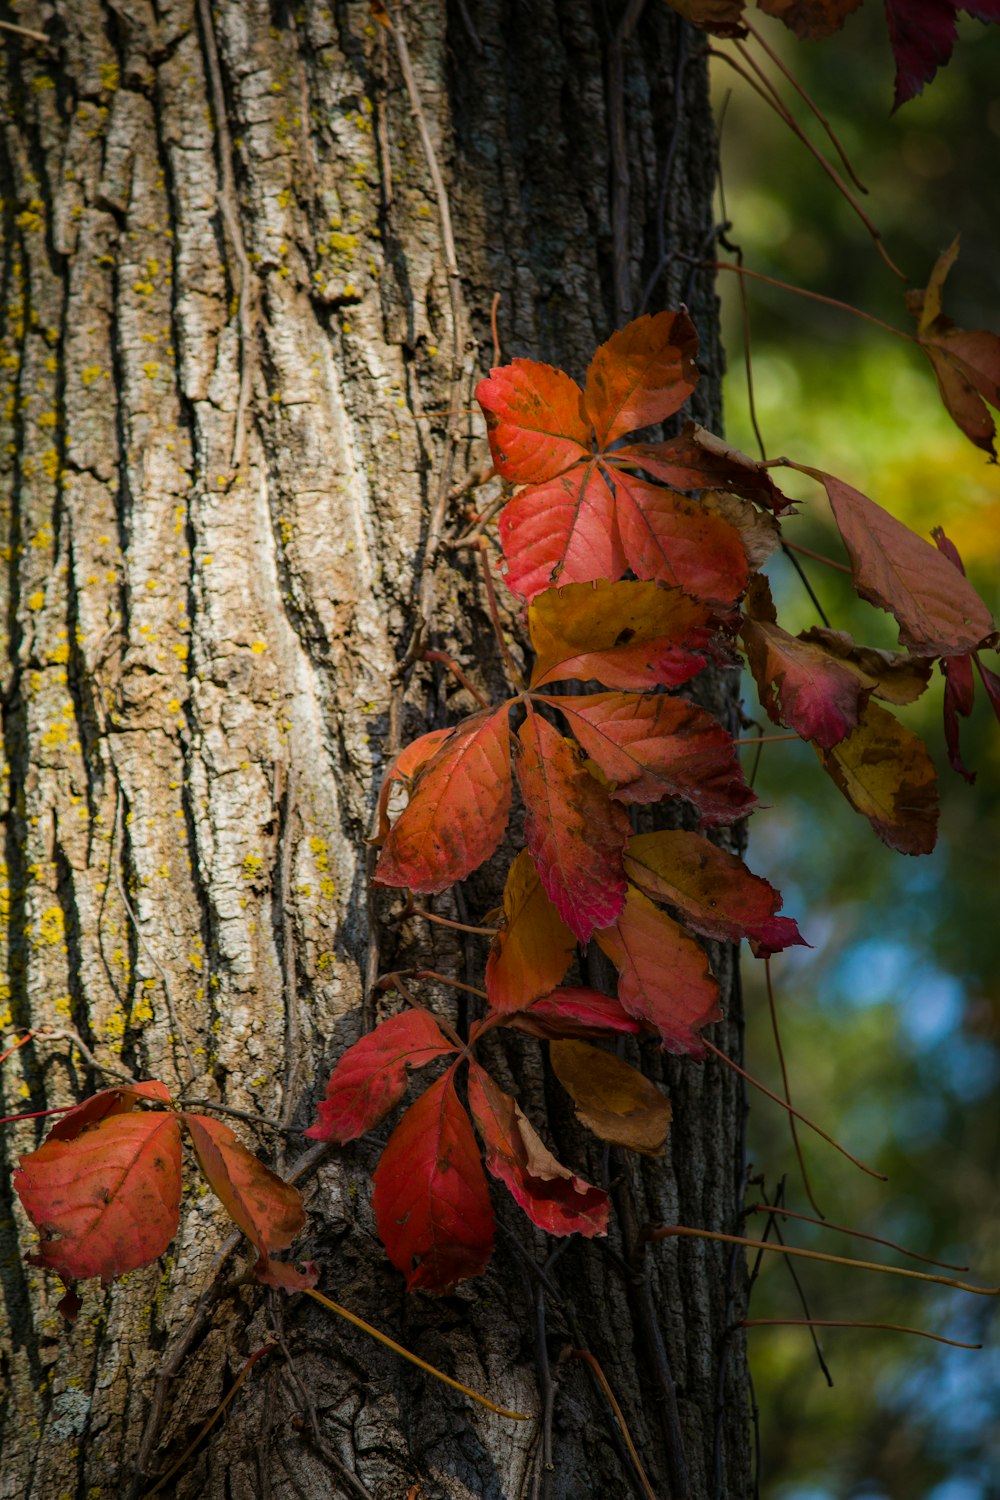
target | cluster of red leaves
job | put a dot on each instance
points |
(922, 33)
(104, 1189)
(590, 507)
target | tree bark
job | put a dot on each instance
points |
(239, 349)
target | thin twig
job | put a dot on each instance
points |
(797, 1113)
(673, 1230)
(447, 979)
(34, 36)
(602, 1380)
(776, 1032)
(788, 1213)
(444, 660)
(801, 291)
(816, 556)
(229, 208)
(295, 1060)
(432, 916)
(848, 1323)
(243, 1114)
(65, 1034)
(620, 176)
(171, 1008)
(513, 670)
(494, 306)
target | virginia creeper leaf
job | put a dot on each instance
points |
(120, 1100)
(561, 532)
(885, 772)
(698, 460)
(810, 19)
(671, 539)
(575, 834)
(457, 811)
(894, 676)
(405, 767)
(550, 1194)
(938, 611)
(959, 692)
(654, 746)
(759, 532)
(966, 364)
(799, 683)
(269, 1210)
(575, 1012)
(923, 34)
(533, 948)
(107, 1201)
(712, 890)
(614, 1100)
(663, 974)
(641, 375)
(535, 421)
(719, 17)
(431, 1201)
(627, 635)
(371, 1076)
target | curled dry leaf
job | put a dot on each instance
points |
(575, 834)
(550, 1194)
(431, 1201)
(966, 363)
(663, 974)
(533, 948)
(718, 17)
(698, 460)
(107, 1200)
(886, 774)
(713, 891)
(457, 810)
(630, 636)
(614, 1100)
(370, 1078)
(810, 19)
(894, 676)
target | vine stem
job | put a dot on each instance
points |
(414, 1359)
(817, 556)
(513, 669)
(801, 291)
(797, 1113)
(602, 1380)
(776, 1032)
(789, 1213)
(670, 1231)
(432, 916)
(444, 660)
(848, 1323)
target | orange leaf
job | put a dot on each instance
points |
(663, 974)
(457, 811)
(561, 532)
(626, 635)
(371, 1076)
(107, 1201)
(533, 949)
(714, 891)
(885, 772)
(575, 834)
(120, 1100)
(641, 375)
(673, 540)
(897, 676)
(432, 1204)
(404, 768)
(550, 1194)
(535, 420)
(653, 747)
(938, 611)
(698, 460)
(268, 1210)
(615, 1101)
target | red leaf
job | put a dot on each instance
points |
(120, 1100)
(371, 1076)
(626, 635)
(713, 891)
(561, 532)
(923, 34)
(673, 540)
(534, 947)
(268, 1210)
(663, 974)
(432, 1205)
(885, 772)
(654, 746)
(799, 683)
(535, 420)
(575, 834)
(404, 768)
(457, 811)
(575, 1012)
(698, 460)
(107, 1201)
(641, 375)
(938, 611)
(959, 691)
(550, 1194)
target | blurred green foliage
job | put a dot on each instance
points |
(891, 1022)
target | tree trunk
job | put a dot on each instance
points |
(239, 355)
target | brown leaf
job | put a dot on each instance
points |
(810, 19)
(615, 1101)
(966, 364)
(718, 17)
(885, 772)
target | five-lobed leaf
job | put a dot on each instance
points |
(550, 1194)
(431, 1201)
(370, 1077)
(107, 1200)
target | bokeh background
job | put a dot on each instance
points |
(890, 1021)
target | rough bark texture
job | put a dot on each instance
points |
(237, 375)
